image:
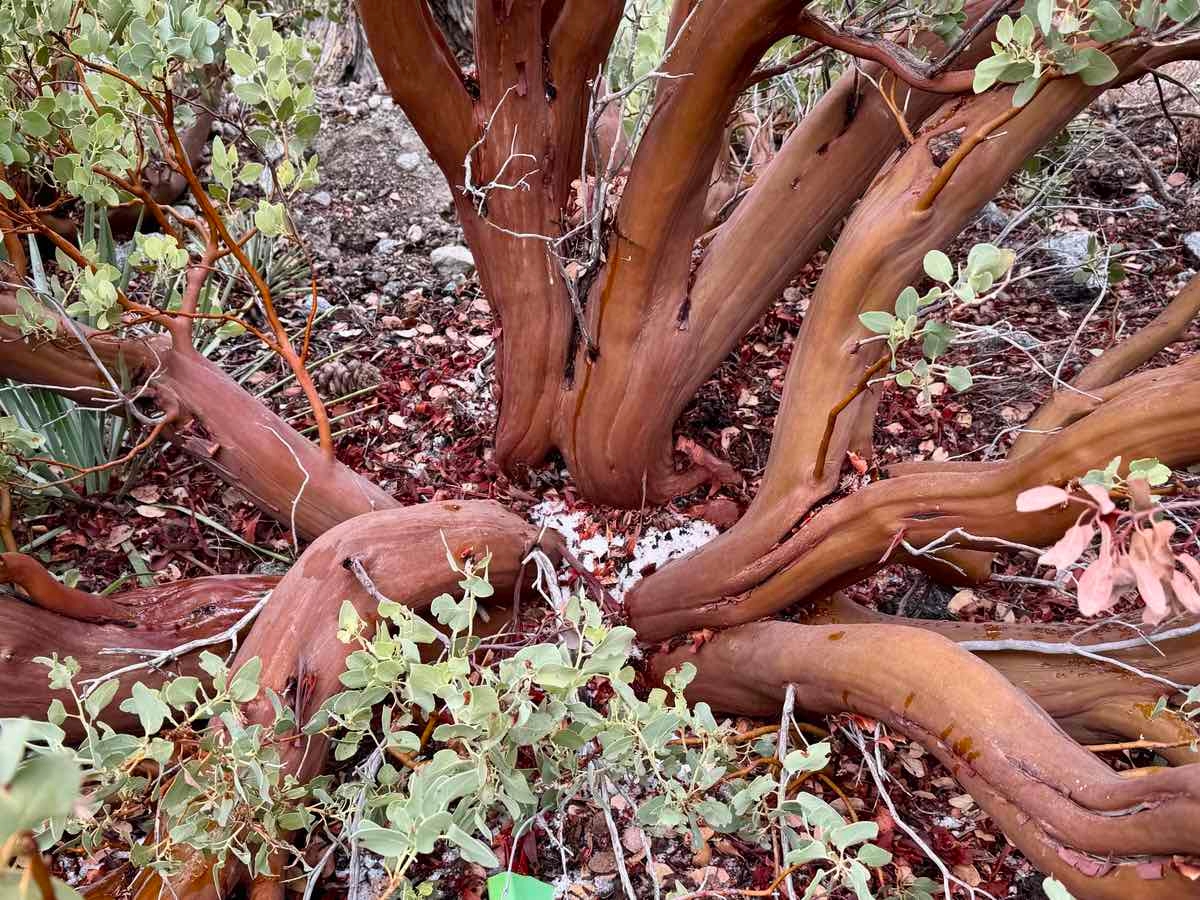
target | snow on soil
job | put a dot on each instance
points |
(654, 549)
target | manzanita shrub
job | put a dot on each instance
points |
(97, 95)
(1136, 540)
(447, 738)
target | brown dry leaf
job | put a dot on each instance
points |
(961, 601)
(962, 802)
(150, 512)
(146, 493)
(602, 863)
(968, 873)
(115, 538)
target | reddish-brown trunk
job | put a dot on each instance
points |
(878, 254)
(154, 619)
(1156, 414)
(661, 322)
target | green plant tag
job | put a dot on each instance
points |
(507, 886)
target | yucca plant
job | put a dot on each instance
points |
(70, 433)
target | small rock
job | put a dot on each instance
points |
(393, 288)
(452, 259)
(409, 162)
(1070, 248)
(1191, 240)
(1069, 252)
(1148, 204)
(379, 277)
(386, 246)
(374, 101)
(991, 218)
(322, 198)
(415, 234)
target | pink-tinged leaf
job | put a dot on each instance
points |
(1069, 548)
(1150, 588)
(1096, 586)
(1164, 530)
(1099, 493)
(1045, 497)
(1190, 563)
(1185, 592)
(1186, 869)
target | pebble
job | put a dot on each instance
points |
(1191, 240)
(452, 259)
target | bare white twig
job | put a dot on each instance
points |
(303, 484)
(1092, 651)
(781, 749)
(614, 835)
(160, 658)
(875, 767)
(481, 192)
(944, 543)
(367, 772)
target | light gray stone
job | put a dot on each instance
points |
(452, 259)
(1191, 240)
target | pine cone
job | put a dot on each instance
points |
(341, 377)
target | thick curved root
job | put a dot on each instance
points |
(1103, 835)
(404, 553)
(1095, 702)
(153, 619)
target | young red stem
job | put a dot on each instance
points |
(831, 420)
